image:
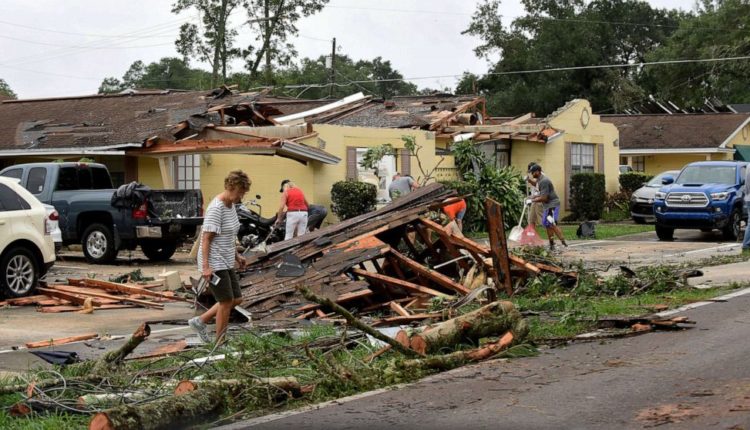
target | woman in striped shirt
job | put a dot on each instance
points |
(218, 255)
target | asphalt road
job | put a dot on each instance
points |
(692, 379)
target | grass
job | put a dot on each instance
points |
(603, 231)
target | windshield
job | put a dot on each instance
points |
(707, 175)
(655, 182)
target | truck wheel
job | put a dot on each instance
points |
(99, 244)
(664, 233)
(19, 272)
(732, 229)
(159, 250)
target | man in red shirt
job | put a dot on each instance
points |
(455, 212)
(293, 200)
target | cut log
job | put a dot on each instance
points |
(60, 341)
(108, 400)
(163, 413)
(287, 386)
(490, 320)
(459, 358)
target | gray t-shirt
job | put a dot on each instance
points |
(547, 189)
(400, 187)
(223, 221)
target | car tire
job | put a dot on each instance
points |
(639, 220)
(732, 230)
(98, 244)
(664, 233)
(158, 250)
(20, 272)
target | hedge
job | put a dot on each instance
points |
(587, 196)
(352, 198)
(631, 181)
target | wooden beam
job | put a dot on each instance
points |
(395, 307)
(125, 299)
(460, 241)
(340, 299)
(520, 262)
(122, 288)
(60, 341)
(498, 245)
(72, 298)
(433, 275)
(409, 286)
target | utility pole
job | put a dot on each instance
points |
(333, 69)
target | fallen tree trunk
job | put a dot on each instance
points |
(104, 363)
(490, 320)
(192, 399)
(356, 323)
(459, 358)
(28, 389)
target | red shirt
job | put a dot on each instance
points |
(453, 209)
(295, 200)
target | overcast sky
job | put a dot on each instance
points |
(58, 48)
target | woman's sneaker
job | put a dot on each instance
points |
(200, 327)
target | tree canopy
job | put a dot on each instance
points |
(167, 73)
(5, 90)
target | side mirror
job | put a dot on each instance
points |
(667, 180)
(257, 196)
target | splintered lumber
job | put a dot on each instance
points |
(462, 242)
(100, 295)
(71, 297)
(430, 274)
(128, 289)
(68, 308)
(395, 307)
(409, 286)
(60, 341)
(162, 351)
(490, 320)
(520, 262)
(115, 357)
(498, 245)
(354, 322)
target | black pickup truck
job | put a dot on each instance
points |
(82, 194)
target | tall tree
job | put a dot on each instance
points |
(274, 22)
(5, 90)
(169, 72)
(214, 41)
(563, 33)
(718, 29)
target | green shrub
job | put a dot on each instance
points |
(631, 181)
(352, 198)
(587, 196)
(482, 180)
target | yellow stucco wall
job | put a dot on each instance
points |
(338, 138)
(551, 156)
(148, 172)
(656, 164)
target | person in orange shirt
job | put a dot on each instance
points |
(455, 212)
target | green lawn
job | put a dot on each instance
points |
(603, 231)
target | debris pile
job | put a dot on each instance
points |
(87, 295)
(388, 266)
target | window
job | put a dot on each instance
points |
(35, 181)
(381, 176)
(67, 179)
(581, 158)
(188, 172)
(639, 163)
(14, 173)
(84, 179)
(101, 178)
(10, 201)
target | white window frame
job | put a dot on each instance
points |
(187, 172)
(582, 158)
(638, 163)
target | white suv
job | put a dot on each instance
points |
(27, 249)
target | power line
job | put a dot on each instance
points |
(33, 42)
(380, 9)
(115, 36)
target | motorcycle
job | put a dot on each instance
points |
(254, 229)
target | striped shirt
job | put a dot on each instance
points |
(223, 221)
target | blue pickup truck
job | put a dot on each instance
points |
(706, 196)
(82, 194)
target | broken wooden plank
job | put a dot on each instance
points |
(122, 288)
(162, 351)
(71, 297)
(69, 308)
(340, 299)
(430, 274)
(126, 299)
(498, 246)
(409, 286)
(407, 319)
(60, 341)
(520, 262)
(395, 307)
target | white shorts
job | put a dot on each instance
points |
(296, 224)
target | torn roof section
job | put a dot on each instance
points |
(525, 128)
